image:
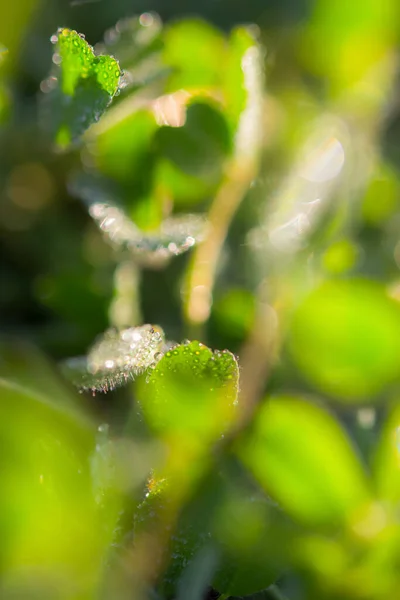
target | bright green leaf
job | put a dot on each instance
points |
(345, 338)
(386, 464)
(87, 85)
(53, 532)
(195, 51)
(191, 393)
(78, 61)
(302, 458)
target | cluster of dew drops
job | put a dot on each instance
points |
(220, 365)
(105, 67)
(120, 355)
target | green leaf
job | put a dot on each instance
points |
(78, 61)
(196, 51)
(121, 150)
(191, 393)
(186, 190)
(249, 543)
(87, 84)
(47, 444)
(201, 145)
(386, 460)
(303, 459)
(345, 338)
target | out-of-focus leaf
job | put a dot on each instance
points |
(86, 86)
(201, 145)
(303, 459)
(46, 483)
(344, 45)
(340, 257)
(345, 338)
(191, 393)
(184, 189)
(4, 101)
(248, 544)
(115, 358)
(381, 197)
(233, 524)
(15, 17)
(233, 316)
(387, 458)
(195, 51)
(122, 151)
(174, 236)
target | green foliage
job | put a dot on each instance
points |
(87, 84)
(157, 178)
(200, 146)
(356, 360)
(189, 383)
(304, 461)
(47, 441)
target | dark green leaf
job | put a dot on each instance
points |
(201, 145)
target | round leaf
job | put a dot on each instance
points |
(191, 392)
(345, 338)
(303, 459)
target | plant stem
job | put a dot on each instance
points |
(205, 260)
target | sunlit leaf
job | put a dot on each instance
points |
(195, 51)
(386, 463)
(303, 459)
(115, 358)
(345, 338)
(46, 483)
(344, 45)
(14, 21)
(87, 83)
(191, 392)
